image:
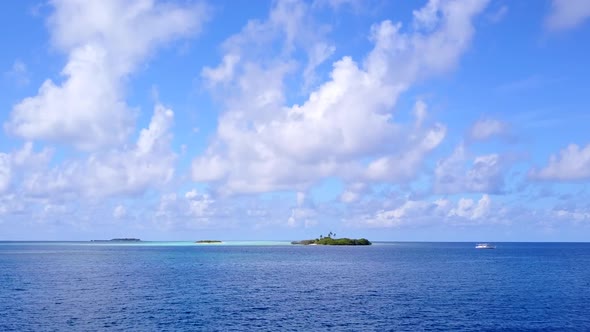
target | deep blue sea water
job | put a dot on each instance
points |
(384, 287)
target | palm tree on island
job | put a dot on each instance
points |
(331, 239)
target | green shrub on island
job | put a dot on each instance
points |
(123, 239)
(343, 241)
(208, 241)
(329, 241)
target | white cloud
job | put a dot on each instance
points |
(487, 128)
(193, 210)
(319, 53)
(454, 175)
(420, 112)
(104, 41)
(404, 166)
(5, 172)
(14, 165)
(197, 209)
(576, 215)
(399, 216)
(572, 163)
(302, 217)
(224, 72)
(414, 213)
(27, 158)
(199, 204)
(263, 144)
(119, 212)
(469, 209)
(303, 214)
(428, 16)
(129, 170)
(567, 14)
(354, 192)
(10, 204)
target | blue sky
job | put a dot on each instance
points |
(392, 120)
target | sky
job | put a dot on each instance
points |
(439, 120)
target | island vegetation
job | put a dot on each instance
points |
(208, 241)
(124, 239)
(331, 240)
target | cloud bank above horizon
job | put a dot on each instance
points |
(427, 120)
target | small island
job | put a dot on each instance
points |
(331, 240)
(208, 241)
(125, 239)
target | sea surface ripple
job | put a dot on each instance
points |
(384, 287)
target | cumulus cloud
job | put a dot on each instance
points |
(119, 212)
(354, 192)
(265, 144)
(199, 209)
(104, 42)
(487, 128)
(567, 14)
(129, 170)
(404, 165)
(469, 209)
(224, 72)
(5, 172)
(10, 204)
(409, 213)
(571, 164)
(413, 213)
(458, 173)
(15, 165)
(304, 213)
(193, 210)
(27, 159)
(575, 215)
(199, 204)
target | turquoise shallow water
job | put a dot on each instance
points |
(278, 287)
(145, 243)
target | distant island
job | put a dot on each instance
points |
(331, 240)
(124, 239)
(208, 241)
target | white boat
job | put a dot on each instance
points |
(484, 246)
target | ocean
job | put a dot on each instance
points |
(274, 286)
